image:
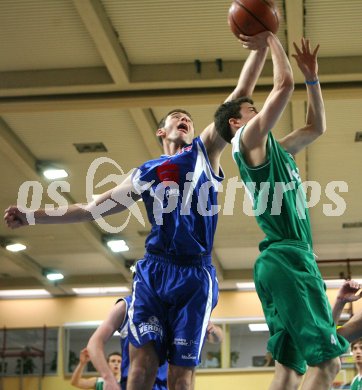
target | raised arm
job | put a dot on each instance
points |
(256, 131)
(214, 333)
(248, 78)
(347, 293)
(113, 201)
(76, 379)
(251, 70)
(315, 120)
(99, 338)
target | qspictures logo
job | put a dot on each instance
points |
(167, 196)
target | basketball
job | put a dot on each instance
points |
(250, 17)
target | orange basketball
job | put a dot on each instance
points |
(250, 17)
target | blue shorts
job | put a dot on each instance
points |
(172, 301)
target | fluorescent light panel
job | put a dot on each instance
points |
(54, 276)
(337, 283)
(53, 174)
(245, 286)
(117, 246)
(100, 290)
(16, 247)
(258, 327)
(330, 283)
(24, 293)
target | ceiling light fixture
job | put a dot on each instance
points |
(330, 283)
(15, 247)
(50, 170)
(117, 245)
(100, 290)
(54, 276)
(245, 286)
(258, 327)
(32, 293)
(54, 174)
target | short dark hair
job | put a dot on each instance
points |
(113, 354)
(356, 342)
(225, 112)
(162, 122)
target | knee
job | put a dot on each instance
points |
(286, 378)
(330, 368)
(183, 384)
(141, 375)
(142, 370)
(294, 382)
(180, 378)
(333, 366)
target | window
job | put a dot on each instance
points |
(211, 354)
(243, 347)
(240, 349)
(28, 351)
(76, 338)
(248, 348)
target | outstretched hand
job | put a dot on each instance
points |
(84, 356)
(307, 59)
(255, 42)
(348, 292)
(14, 218)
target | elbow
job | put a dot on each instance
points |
(90, 348)
(322, 128)
(285, 83)
(289, 85)
(286, 87)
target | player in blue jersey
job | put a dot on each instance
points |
(118, 321)
(175, 288)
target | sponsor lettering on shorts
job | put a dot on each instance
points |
(184, 342)
(151, 326)
(189, 356)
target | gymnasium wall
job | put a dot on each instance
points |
(52, 312)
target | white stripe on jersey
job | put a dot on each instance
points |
(130, 314)
(201, 166)
(207, 314)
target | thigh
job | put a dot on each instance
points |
(285, 378)
(300, 303)
(195, 297)
(147, 313)
(280, 343)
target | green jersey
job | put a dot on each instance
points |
(277, 194)
(99, 383)
(356, 383)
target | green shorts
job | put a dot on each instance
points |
(296, 307)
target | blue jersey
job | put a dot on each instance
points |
(180, 195)
(161, 378)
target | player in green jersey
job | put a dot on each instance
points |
(356, 348)
(287, 279)
(114, 361)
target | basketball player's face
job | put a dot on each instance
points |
(357, 352)
(114, 363)
(247, 111)
(179, 127)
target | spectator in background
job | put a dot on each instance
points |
(211, 361)
(356, 348)
(114, 360)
